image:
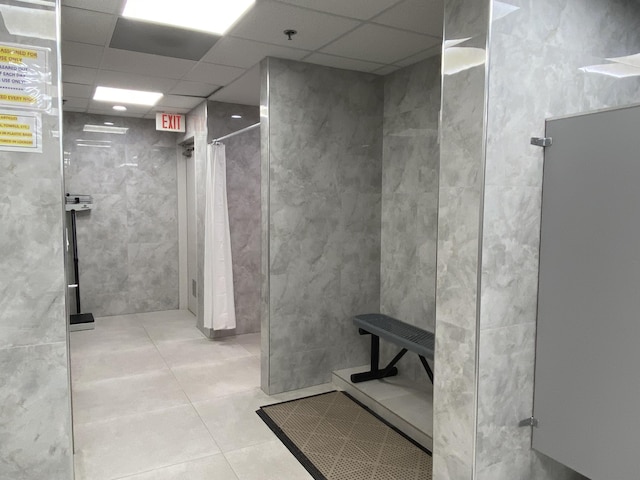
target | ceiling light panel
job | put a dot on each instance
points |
(213, 16)
(105, 129)
(120, 95)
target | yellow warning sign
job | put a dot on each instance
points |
(24, 77)
(21, 133)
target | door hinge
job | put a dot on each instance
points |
(529, 422)
(542, 141)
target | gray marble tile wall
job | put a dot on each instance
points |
(536, 55)
(35, 408)
(243, 196)
(128, 244)
(410, 167)
(460, 202)
(197, 130)
(324, 187)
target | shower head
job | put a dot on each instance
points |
(188, 152)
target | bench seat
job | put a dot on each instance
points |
(406, 336)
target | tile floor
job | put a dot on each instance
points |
(155, 400)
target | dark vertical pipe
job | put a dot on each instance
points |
(75, 259)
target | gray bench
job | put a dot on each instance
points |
(406, 336)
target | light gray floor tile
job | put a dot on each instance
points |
(415, 409)
(266, 461)
(167, 316)
(117, 397)
(233, 422)
(140, 443)
(91, 368)
(118, 322)
(215, 467)
(250, 341)
(97, 342)
(200, 352)
(173, 330)
(206, 382)
(303, 392)
(388, 387)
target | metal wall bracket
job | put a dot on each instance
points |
(541, 141)
(529, 422)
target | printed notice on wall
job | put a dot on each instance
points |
(24, 77)
(20, 131)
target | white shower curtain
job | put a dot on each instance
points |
(219, 305)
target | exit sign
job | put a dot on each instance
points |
(170, 122)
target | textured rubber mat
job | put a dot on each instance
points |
(336, 438)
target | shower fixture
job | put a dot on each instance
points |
(290, 33)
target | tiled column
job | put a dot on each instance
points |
(323, 183)
(35, 413)
(459, 233)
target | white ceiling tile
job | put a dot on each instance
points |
(107, 106)
(213, 74)
(428, 53)
(245, 90)
(73, 102)
(73, 74)
(109, 78)
(85, 26)
(267, 21)
(76, 90)
(242, 53)
(145, 64)
(380, 44)
(361, 9)
(178, 101)
(342, 62)
(422, 16)
(81, 54)
(195, 89)
(105, 6)
(113, 113)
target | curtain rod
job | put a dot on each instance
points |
(246, 129)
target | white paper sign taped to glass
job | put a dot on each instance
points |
(24, 77)
(20, 131)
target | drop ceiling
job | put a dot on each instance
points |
(376, 36)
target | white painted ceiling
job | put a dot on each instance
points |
(376, 36)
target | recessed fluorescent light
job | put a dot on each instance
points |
(236, 116)
(93, 145)
(105, 129)
(120, 108)
(121, 95)
(212, 16)
(108, 123)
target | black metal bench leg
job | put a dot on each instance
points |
(375, 353)
(375, 372)
(392, 363)
(426, 367)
